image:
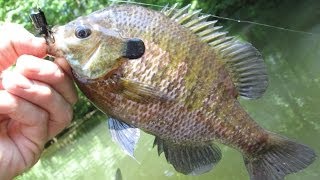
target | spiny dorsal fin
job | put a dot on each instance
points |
(245, 63)
(196, 20)
(187, 17)
(169, 11)
(181, 12)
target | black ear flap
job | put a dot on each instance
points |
(135, 48)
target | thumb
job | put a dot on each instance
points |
(16, 41)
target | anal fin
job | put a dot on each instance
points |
(125, 135)
(189, 159)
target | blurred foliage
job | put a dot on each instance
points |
(59, 12)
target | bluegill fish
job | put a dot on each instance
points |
(177, 76)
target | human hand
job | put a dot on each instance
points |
(36, 99)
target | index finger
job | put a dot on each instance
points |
(49, 73)
(15, 41)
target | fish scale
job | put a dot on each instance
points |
(183, 89)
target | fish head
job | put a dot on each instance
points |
(90, 47)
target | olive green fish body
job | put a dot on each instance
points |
(183, 89)
(199, 94)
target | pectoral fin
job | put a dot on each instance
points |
(125, 135)
(140, 91)
(189, 159)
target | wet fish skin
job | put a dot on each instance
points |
(182, 90)
(186, 90)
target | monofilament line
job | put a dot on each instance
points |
(230, 19)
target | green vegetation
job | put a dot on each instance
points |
(290, 106)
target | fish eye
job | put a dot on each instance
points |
(82, 32)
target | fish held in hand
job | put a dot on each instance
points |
(176, 76)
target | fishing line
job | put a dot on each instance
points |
(229, 19)
(138, 3)
(37, 4)
(265, 25)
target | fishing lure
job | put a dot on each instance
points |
(40, 23)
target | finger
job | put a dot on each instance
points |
(27, 114)
(49, 73)
(42, 95)
(62, 62)
(26, 125)
(15, 41)
(1, 87)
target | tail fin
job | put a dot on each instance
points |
(281, 158)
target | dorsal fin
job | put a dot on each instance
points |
(244, 62)
(170, 11)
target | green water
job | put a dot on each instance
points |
(290, 107)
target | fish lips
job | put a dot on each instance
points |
(52, 49)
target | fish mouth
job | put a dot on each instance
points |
(53, 49)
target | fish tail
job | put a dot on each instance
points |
(281, 157)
